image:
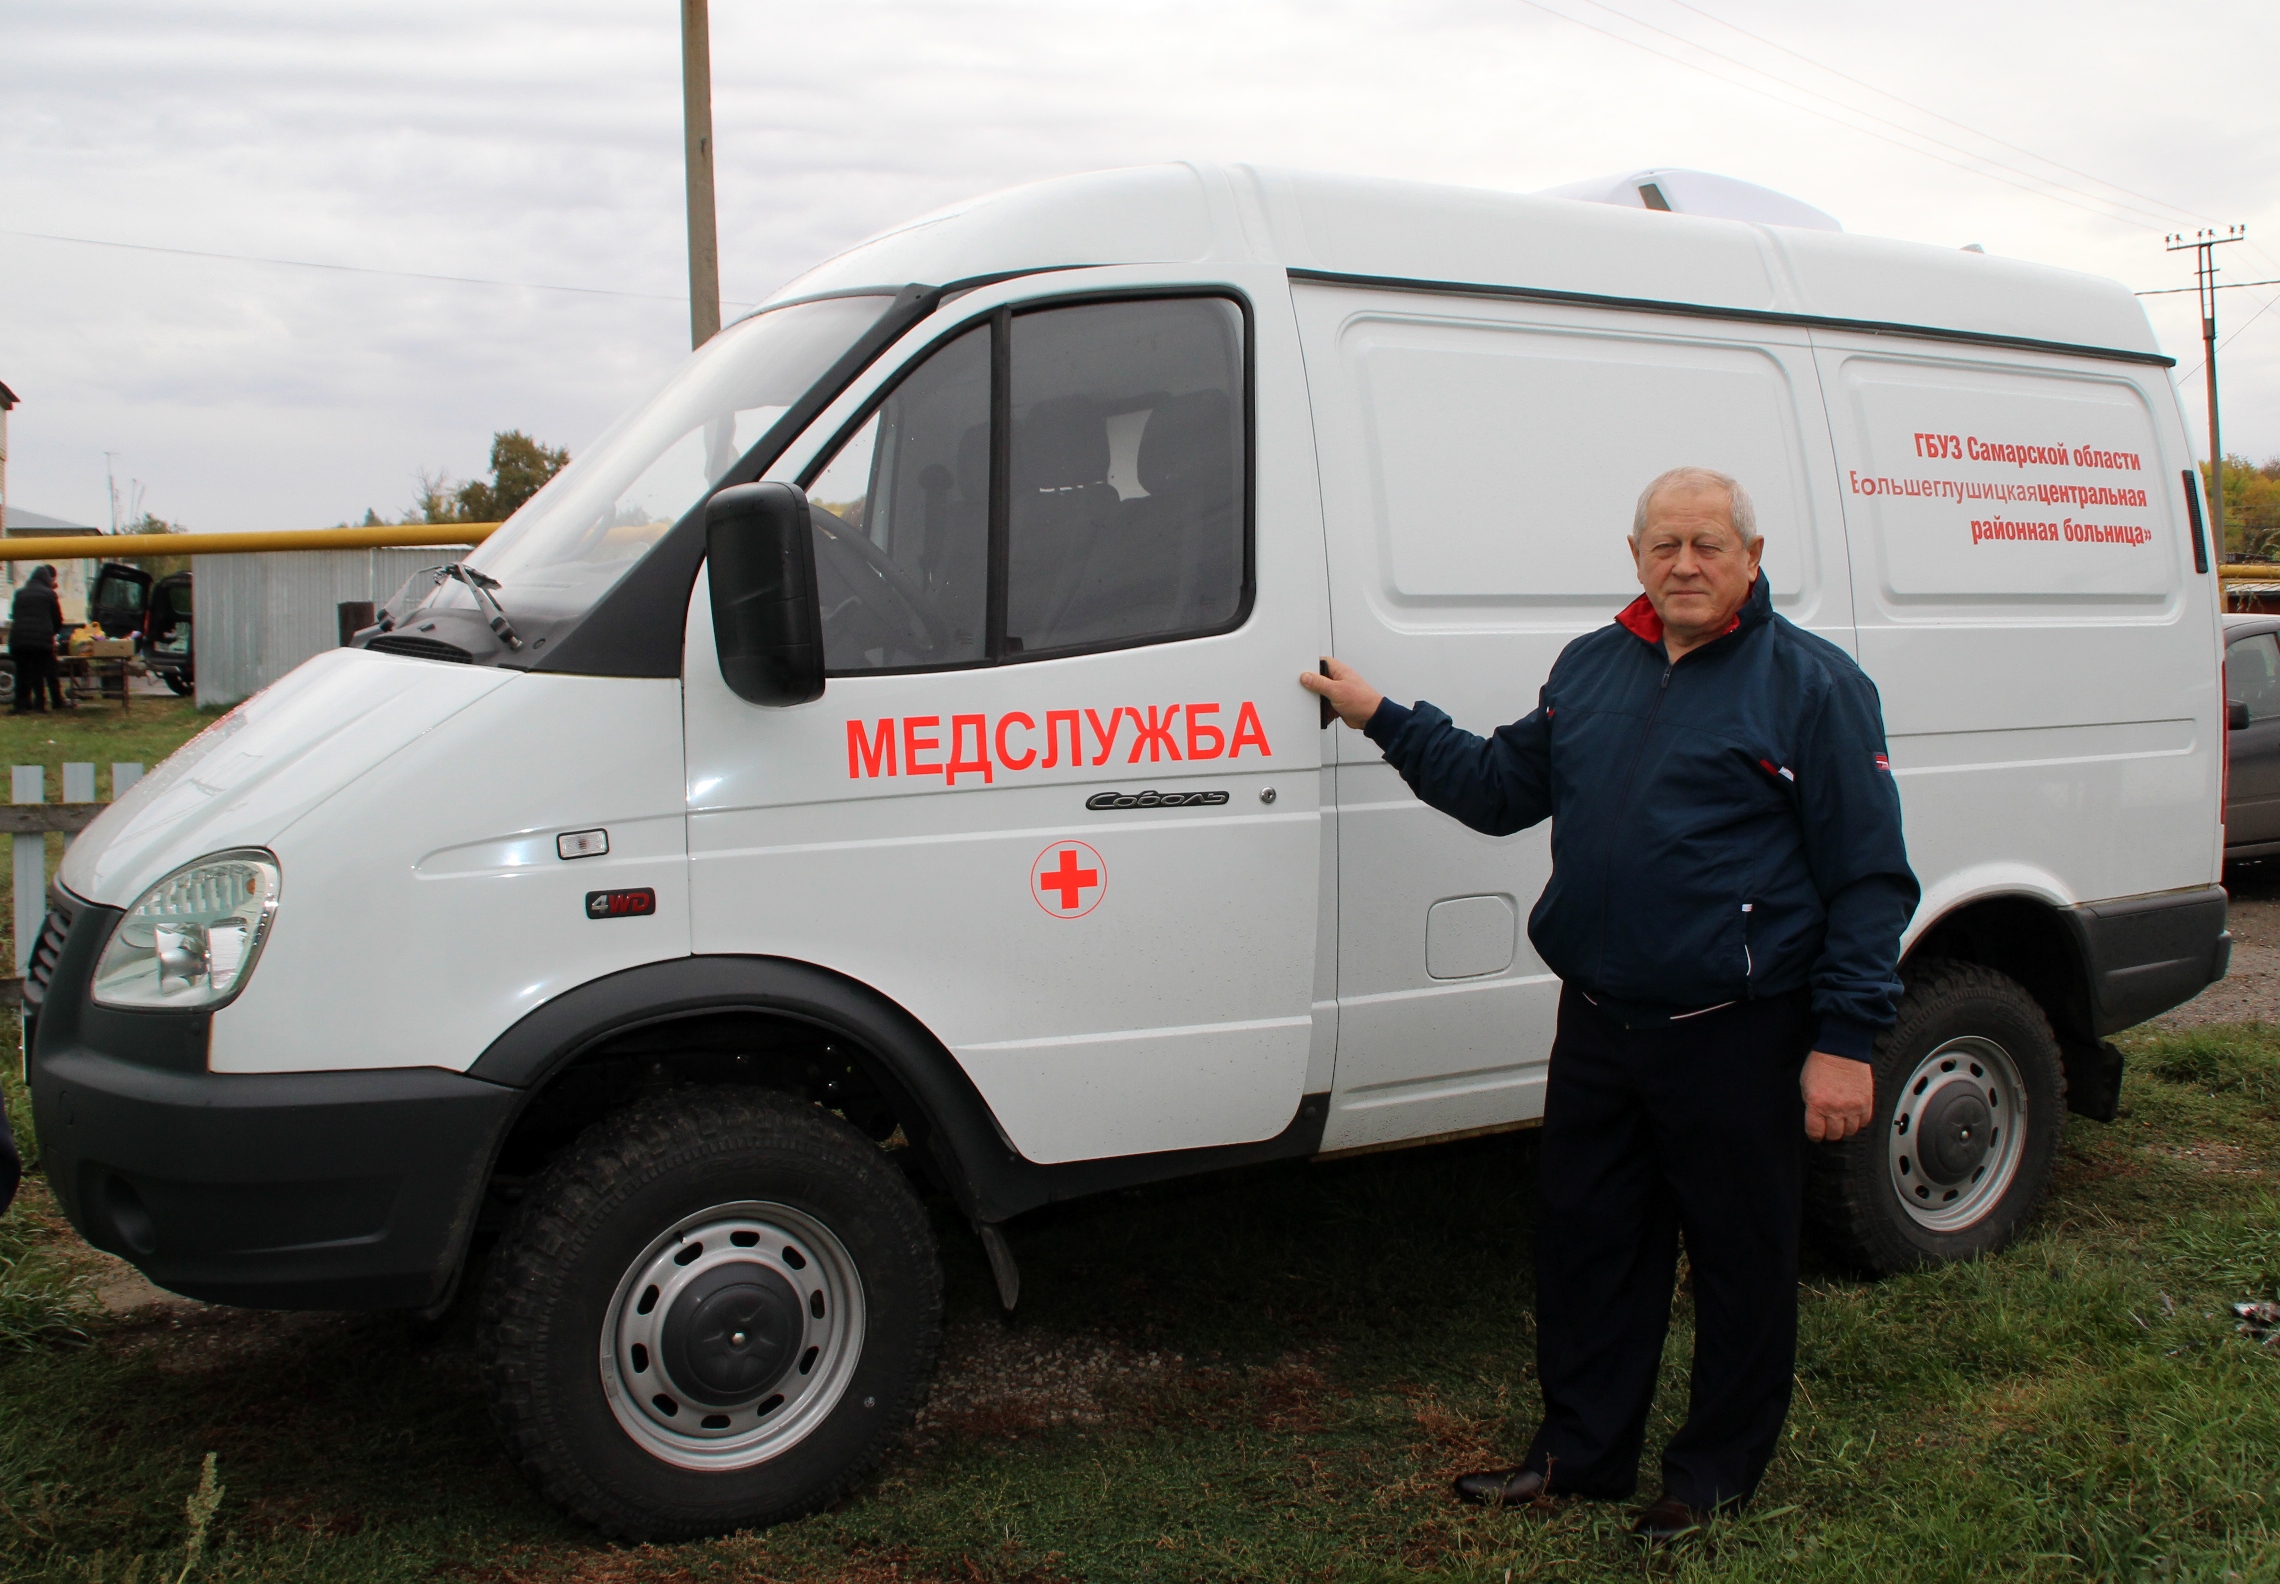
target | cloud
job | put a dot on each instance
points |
(542, 143)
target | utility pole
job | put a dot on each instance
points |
(696, 121)
(2203, 245)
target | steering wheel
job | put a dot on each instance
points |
(885, 589)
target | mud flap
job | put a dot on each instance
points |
(1002, 1266)
(2093, 1077)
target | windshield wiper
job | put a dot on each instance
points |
(480, 584)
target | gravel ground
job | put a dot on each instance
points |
(2250, 991)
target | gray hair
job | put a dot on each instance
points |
(1738, 505)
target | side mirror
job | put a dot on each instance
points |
(2236, 715)
(767, 616)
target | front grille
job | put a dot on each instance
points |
(419, 648)
(46, 950)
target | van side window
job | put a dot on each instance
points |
(901, 515)
(2252, 675)
(1121, 516)
(1125, 516)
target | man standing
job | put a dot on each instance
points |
(34, 619)
(1727, 894)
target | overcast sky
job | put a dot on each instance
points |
(541, 144)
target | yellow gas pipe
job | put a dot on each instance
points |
(119, 547)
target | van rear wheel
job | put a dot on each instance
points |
(1970, 1100)
(716, 1311)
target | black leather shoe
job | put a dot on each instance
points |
(1512, 1487)
(1669, 1522)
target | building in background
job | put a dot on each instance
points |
(7, 406)
(72, 577)
(261, 615)
(16, 523)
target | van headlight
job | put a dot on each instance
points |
(190, 941)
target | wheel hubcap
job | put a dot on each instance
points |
(731, 1333)
(732, 1336)
(1958, 1130)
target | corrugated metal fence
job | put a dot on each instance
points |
(259, 616)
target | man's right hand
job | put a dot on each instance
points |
(1349, 694)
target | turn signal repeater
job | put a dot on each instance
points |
(190, 941)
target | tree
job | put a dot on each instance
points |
(162, 565)
(520, 467)
(2252, 508)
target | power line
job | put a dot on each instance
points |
(2171, 291)
(1990, 137)
(2127, 211)
(2159, 203)
(1746, 87)
(347, 269)
(2269, 305)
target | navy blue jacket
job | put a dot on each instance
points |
(1722, 828)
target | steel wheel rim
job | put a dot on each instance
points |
(683, 1419)
(1958, 1132)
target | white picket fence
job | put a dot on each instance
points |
(27, 785)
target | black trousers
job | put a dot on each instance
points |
(1695, 1127)
(35, 671)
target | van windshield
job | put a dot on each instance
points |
(576, 537)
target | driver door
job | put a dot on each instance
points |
(1058, 799)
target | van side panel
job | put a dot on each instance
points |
(2028, 607)
(1481, 459)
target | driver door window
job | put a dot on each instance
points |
(1121, 516)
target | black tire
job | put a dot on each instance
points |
(1944, 1172)
(604, 1214)
(183, 686)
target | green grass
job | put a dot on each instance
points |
(101, 734)
(1346, 1336)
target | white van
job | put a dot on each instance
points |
(889, 735)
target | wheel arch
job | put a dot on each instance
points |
(783, 1023)
(2032, 938)
(770, 1021)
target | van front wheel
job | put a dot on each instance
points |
(716, 1311)
(1970, 1099)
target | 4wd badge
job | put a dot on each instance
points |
(621, 904)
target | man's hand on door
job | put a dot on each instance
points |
(1349, 694)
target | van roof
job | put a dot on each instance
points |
(1400, 231)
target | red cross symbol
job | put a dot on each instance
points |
(1062, 877)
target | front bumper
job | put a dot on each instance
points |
(312, 1190)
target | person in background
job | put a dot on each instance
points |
(58, 697)
(35, 620)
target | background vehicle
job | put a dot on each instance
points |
(2252, 694)
(127, 600)
(168, 646)
(120, 599)
(881, 757)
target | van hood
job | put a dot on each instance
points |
(243, 780)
